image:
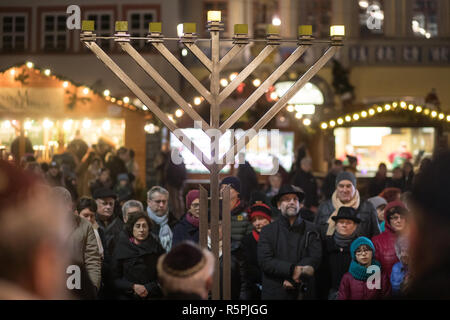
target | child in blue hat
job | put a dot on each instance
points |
(364, 280)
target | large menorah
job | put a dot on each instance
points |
(214, 97)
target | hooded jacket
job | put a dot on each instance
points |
(136, 264)
(385, 243)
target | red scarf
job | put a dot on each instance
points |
(255, 235)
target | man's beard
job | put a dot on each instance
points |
(290, 212)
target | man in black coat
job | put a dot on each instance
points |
(109, 227)
(289, 250)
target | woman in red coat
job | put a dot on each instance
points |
(395, 225)
(364, 279)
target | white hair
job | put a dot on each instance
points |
(131, 204)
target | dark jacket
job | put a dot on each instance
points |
(281, 247)
(136, 264)
(184, 230)
(240, 225)
(109, 236)
(353, 289)
(307, 182)
(252, 276)
(335, 263)
(366, 212)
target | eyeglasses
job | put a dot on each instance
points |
(195, 205)
(361, 251)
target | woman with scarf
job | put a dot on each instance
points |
(346, 195)
(395, 217)
(260, 216)
(135, 259)
(336, 256)
(355, 284)
(187, 227)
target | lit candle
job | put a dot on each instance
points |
(214, 16)
(337, 31)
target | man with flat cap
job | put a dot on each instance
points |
(289, 250)
(346, 195)
(109, 228)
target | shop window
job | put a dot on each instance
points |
(55, 32)
(319, 16)
(371, 17)
(138, 25)
(424, 21)
(13, 32)
(104, 27)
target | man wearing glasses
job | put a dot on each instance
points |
(289, 250)
(163, 220)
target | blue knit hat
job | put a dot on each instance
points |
(359, 242)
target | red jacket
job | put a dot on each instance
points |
(385, 243)
(352, 289)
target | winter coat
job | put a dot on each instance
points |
(252, 272)
(366, 212)
(307, 182)
(84, 248)
(281, 247)
(353, 289)
(240, 225)
(109, 235)
(136, 264)
(385, 247)
(335, 263)
(184, 230)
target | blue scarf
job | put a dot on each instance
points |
(359, 272)
(165, 234)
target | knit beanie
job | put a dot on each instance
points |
(359, 242)
(345, 175)
(261, 210)
(190, 197)
(234, 182)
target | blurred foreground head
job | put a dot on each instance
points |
(185, 271)
(32, 258)
(430, 229)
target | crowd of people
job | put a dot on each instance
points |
(290, 240)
